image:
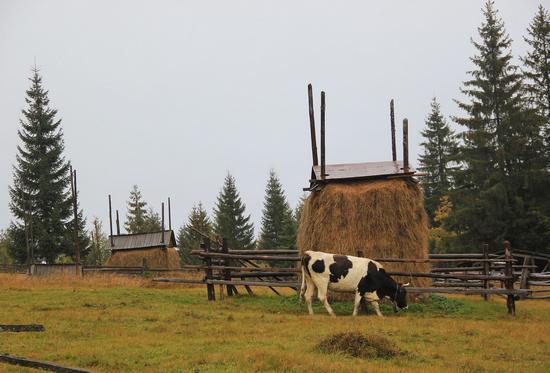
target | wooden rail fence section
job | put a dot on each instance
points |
(463, 273)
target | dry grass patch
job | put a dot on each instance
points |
(360, 345)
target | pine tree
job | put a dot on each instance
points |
(439, 149)
(152, 221)
(501, 150)
(537, 62)
(83, 239)
(278, 228)
(5, 257)
(136, 214)
(189, 239)
(40, 198)
(98, 252)
(229, 219)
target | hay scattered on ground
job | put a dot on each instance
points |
(359, 345)
(382, 218)
(155, 258)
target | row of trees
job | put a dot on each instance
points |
(491, 181)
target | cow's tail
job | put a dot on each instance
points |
(305, 272)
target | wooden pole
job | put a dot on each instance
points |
(227, 272)
(525, 273)
(323, 164)
(75, 217)
(111, 222)
(486, 270)
(405, 145)
(162, 214)
(392, 120)
(117, 224)
(169, 216)
(312, 126)
(209, 276)
(509, 283)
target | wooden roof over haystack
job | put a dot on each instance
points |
(162, 239)
(325, 173)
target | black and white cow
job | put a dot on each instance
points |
(342, 273)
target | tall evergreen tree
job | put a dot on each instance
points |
(501, 151)
(40, 198)
(152, 221)
(189, 239)
(537, 62)
(136, 214)
(278, 227)
(439, 149)
(230, 221)
(98, 252)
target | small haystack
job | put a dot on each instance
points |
(158, 249)
(382, 218)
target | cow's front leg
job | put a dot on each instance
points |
(357, 303)
(322, 294)
(377, 308)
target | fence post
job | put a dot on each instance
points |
(486, 270)
(143, 266)
(208, 262)
(525, 272)
(227, 271)
(509, 282)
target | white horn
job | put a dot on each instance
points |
(405, 285)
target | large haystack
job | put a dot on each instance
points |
(154, 257)
(382, 219)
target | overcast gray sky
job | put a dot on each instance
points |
(172, 95)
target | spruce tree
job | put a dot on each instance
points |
(500, 155)
(230, 221)
(152, 221)
(189, 239)
(439, 149)
(537, 62)
(136, 214)
(278, 228)
(40, 196)
(98, 252)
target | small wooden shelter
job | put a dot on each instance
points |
(154, 250)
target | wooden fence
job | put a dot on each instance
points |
(466, 273)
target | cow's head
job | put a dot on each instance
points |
(400, 297)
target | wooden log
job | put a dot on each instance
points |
(456, 255)
(486, 270)
(405, 145)
(509, 282)
(208, 272)
(264, 252)
(474, 291)
(261, 274)
(539, 276)
(448, 275)
(458, 269)
(392, 124)
(458, 285)
(323, 163)
(117, 223)
(539, 283)
(312, 126)
(111, 222)
(227, 271)
(21, 328)
(524, 278)
(38, 364)
(236, 268)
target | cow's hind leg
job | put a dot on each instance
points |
(322, 294)
(310, 290)
(357, 303)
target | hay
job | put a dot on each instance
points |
(359, 345)
(382, 218)
(155, 257)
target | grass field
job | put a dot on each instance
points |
(124, 325)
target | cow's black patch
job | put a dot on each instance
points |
(319, 266)
(305, 262)
(376, 280)
(340, 267)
